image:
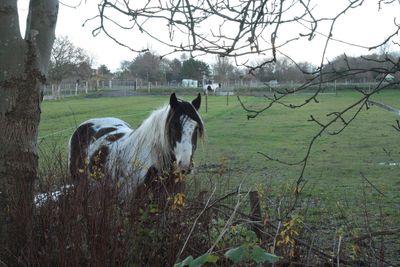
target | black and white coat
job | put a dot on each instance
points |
(166, 140)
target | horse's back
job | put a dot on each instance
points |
(99, 123)
(86, 136)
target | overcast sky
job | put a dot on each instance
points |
(364, 25)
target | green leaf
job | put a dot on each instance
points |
(189, 261)
(260, 255)
(185, 262)
(235, 254)
(153, 210)
(206, 258)
(212, 258)
(251, 236)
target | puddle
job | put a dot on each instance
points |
(389, 163)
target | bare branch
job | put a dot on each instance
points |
(371, 184)
(397, 127)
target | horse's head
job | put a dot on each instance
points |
(184, 127)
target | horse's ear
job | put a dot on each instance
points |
(173, 101)
(197, 101)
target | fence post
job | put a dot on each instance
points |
(206, 102)
(292, 88)
(59, 91)
(335, 89)
(255, 212)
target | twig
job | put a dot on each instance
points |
(195, 222)
(397, 127)
(277, 228)
(374, 234)
(229, 221)
(373, 186)
(384, 106)
(338, 251)
(298, 240)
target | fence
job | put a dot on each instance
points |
(75, 88)
(125, 87)
(65, 89)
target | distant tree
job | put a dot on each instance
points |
(284, 70)
(174, 72)
(265, 73)
(184, 57)
(239, 73)
(194, 69)
(123, 71)
(147, 67)
(282, 66)
(84, 70)
(223, 69)
(287, 71)
(103, 70)
(67, 60)
(307, 70)
(359, 69)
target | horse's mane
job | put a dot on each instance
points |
(152, 135)
(116, 149)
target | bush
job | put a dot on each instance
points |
(161, 225)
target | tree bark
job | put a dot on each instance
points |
(23, 70)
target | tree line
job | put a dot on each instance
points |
(151, 67)
(71, 62)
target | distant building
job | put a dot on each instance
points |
(190, 83)
(273, 83)
(388, 77)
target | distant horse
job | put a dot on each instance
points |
(165, 141)
(211, 88)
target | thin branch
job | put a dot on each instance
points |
(374, 234)
(206, 206)
(230, 219)
(371, 184)
(397, 127)
(71, 6)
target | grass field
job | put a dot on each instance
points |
(334, 172)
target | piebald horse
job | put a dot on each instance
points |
(164, 142)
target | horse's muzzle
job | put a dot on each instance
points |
(184, 168)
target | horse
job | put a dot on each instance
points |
(164, 142)
(211, 88)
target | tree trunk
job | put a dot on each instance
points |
(23, 68)
(18, 158)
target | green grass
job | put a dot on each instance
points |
(332, 175)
